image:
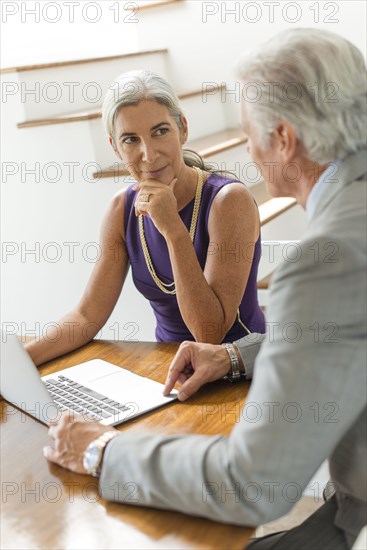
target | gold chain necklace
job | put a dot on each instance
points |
(195, 213)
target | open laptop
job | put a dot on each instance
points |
(97, 390)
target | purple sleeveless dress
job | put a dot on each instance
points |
(170, 325)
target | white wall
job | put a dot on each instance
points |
(41, 31)
(207, 48)
(35, 288)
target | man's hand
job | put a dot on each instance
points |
(194, 365)
(71, 435)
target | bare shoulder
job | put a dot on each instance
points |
(113, 221)
(117, 203)
(234, 212)
(235, 195)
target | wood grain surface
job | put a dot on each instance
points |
(44, 506)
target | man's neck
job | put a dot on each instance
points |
(310, 175)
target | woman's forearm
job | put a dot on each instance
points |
(71, 332)
(200, 308)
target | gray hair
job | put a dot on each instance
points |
(134, 86)
(314, 80)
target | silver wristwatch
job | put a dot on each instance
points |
(234, 373)
(93, 454)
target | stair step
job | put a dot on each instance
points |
(69, 62)
(149, 4)
(90, 114)
(62, 119)
(76, 87)
(275, 207)
(216, 143)
(264, 283)
(260, 193)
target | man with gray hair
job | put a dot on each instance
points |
(307, 132)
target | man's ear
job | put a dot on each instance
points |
(286, 140)
(115, 148)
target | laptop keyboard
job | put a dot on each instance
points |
(69, 395)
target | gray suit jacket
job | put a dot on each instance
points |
(307, 400)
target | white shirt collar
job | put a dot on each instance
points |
(320, 187)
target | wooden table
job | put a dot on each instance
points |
(46, 507)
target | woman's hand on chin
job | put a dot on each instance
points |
(158, 201)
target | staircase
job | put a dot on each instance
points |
(59, 171)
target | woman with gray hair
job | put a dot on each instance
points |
(190, 234)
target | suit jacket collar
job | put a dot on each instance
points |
(350, 169)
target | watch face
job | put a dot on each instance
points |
(91, 457)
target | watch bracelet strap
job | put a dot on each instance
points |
(107, 436)
(234, 373)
